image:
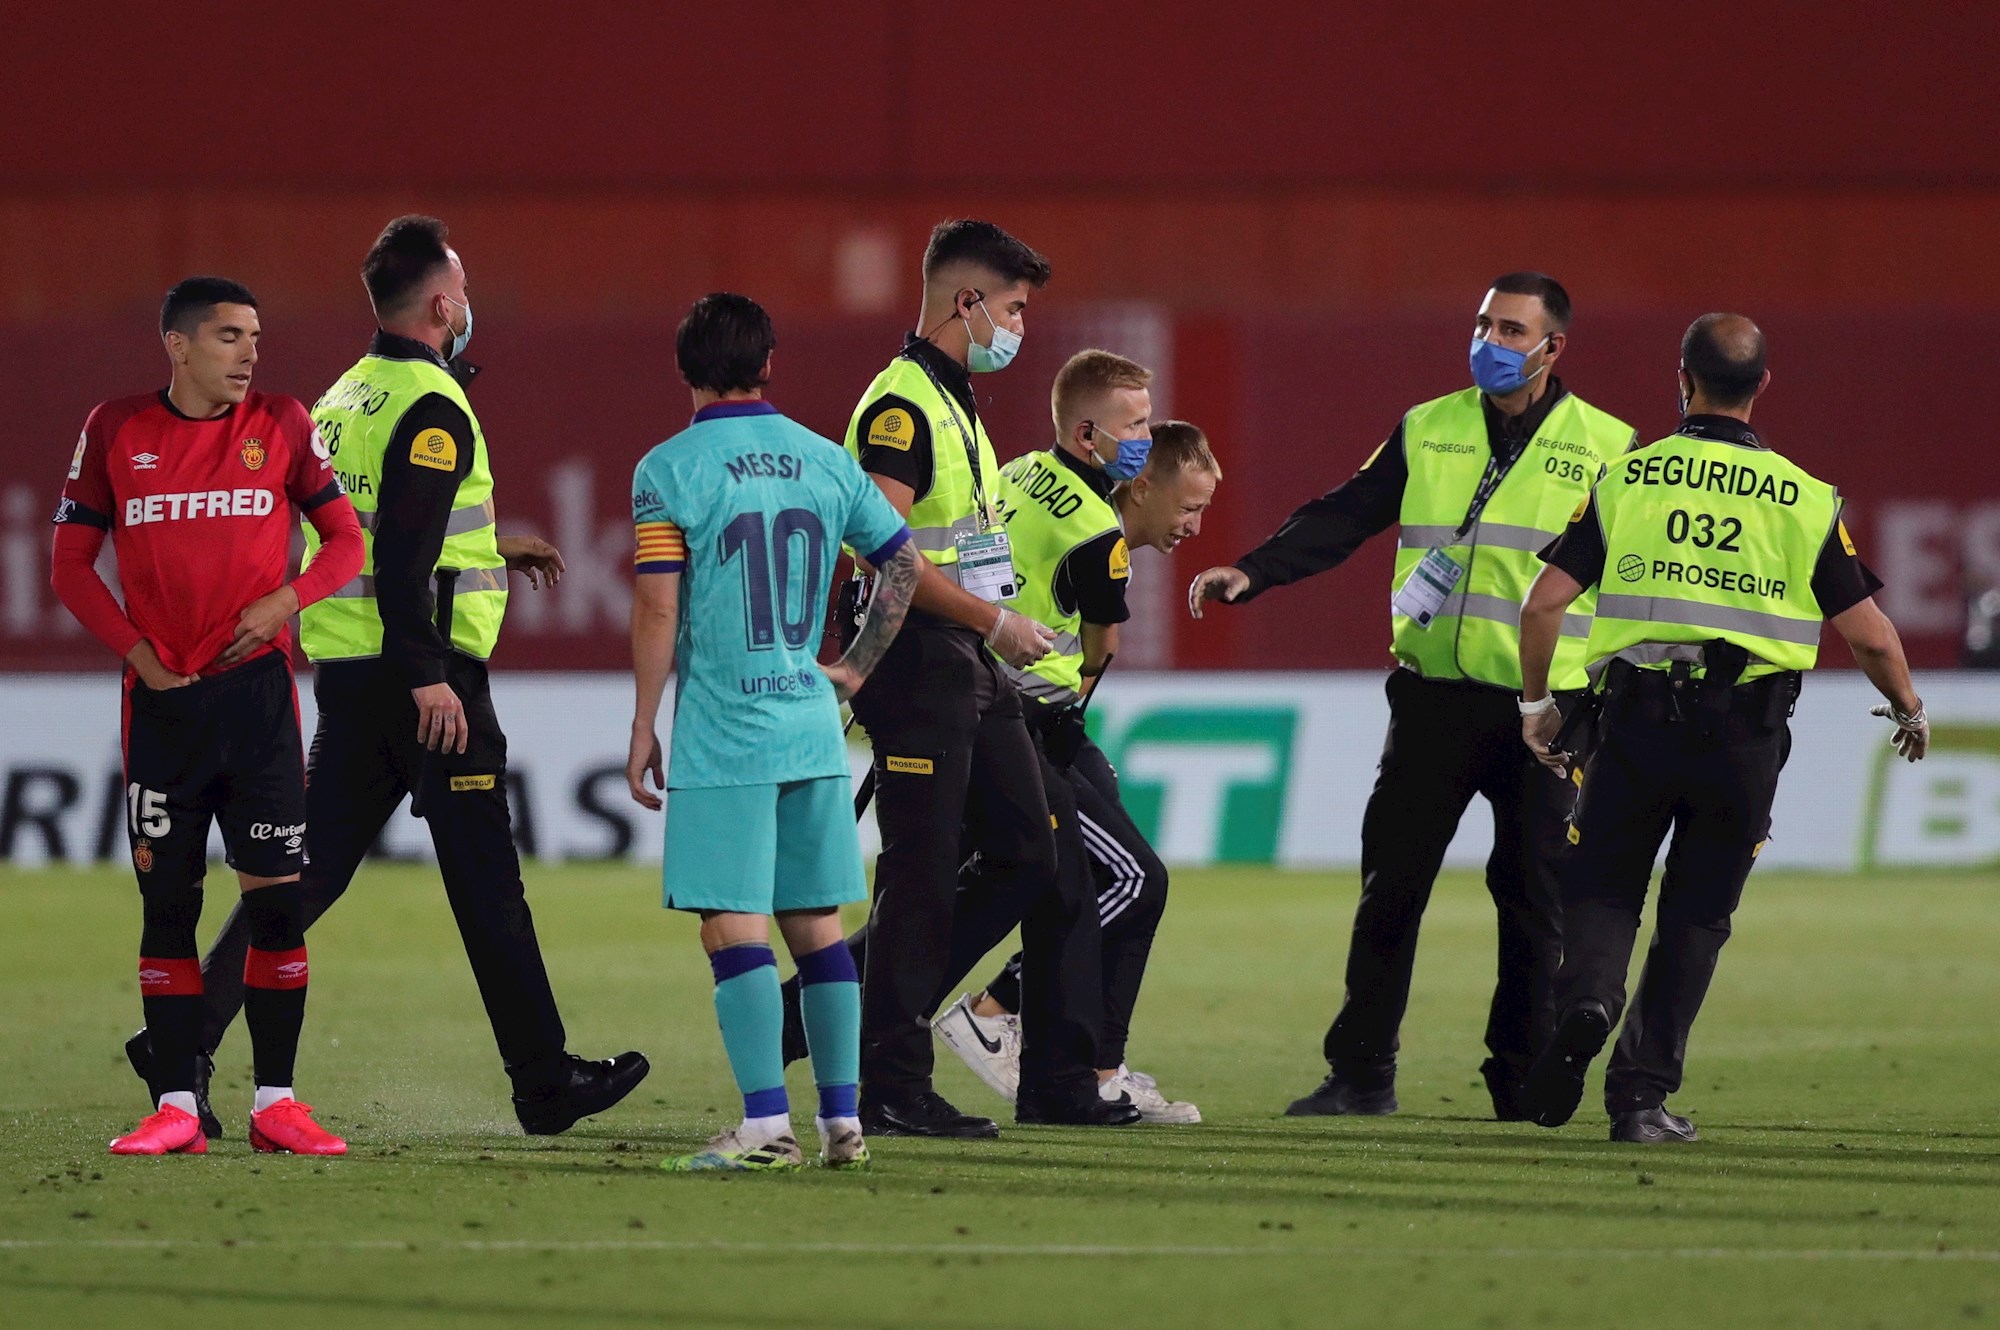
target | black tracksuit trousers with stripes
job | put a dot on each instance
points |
(1130, 886)
(1131, 897)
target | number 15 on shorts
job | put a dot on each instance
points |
(146, 811)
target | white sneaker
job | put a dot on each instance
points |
(990, 1045)
(1144, 1092)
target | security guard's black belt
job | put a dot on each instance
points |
(1675, 695)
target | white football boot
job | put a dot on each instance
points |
(1144, 1092)
(990, 1045)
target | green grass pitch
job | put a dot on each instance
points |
(1844, 1078)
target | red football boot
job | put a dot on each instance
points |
(167, 1132)
(287, 1127)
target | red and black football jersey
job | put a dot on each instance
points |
(199, 511)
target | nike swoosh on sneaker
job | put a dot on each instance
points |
(990, 1045)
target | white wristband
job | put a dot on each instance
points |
(1541, 708)
(998, 619)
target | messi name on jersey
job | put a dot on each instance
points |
(766, 466)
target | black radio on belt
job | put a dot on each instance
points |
(850, 607)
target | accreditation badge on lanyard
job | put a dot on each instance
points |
(986, 565)
(1437, 574)
(985, 559)
(1424, 592)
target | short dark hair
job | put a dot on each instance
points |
(1179, 446)
(408, 252)
(188, 305)
(724, 343)
(983, 243)
(1541, 286)
(1725, 355)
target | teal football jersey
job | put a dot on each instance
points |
(752, 509)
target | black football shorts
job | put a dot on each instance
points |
(225, 747)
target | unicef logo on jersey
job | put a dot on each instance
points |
(803, 681)
(1631, 567)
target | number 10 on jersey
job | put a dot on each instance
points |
(770, 607)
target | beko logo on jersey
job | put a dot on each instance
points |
(200, 503)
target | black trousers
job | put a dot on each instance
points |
(1448, 741)
(364, 759)
(956, 772)
(1130, 884)
(1651, 773)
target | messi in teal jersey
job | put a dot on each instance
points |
(740, 518)
(752, 509)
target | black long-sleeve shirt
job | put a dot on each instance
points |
(1323, 532)
(411, 514)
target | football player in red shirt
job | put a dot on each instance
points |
(196, 486)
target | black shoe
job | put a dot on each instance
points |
(926, 1113)
(571, 1089)
(1652, 1126)
(139, 1052)
(1082, 1108)
(1504, 1087)
(1340, 1098)
(1555, 1083)
(794, 1036)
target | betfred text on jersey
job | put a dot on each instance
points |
(198, 503)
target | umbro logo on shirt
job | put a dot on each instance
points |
(145, 461)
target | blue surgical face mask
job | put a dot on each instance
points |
(1131, 458)
(458, 338)
(985, 359)
(1497, 370)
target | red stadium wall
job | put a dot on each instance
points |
(1294, 403)
(1311, 194)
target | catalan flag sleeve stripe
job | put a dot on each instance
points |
(662, 548)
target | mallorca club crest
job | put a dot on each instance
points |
(142, 855)
(253, 454)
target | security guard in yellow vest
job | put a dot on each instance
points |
(1479, 481)
(955, 770)
(1112, 481)
(404, 708)
(1716, 561)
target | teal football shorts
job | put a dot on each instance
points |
(763, 849)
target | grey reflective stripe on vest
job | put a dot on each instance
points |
(1035, 686)
(938, 539)
(461, 521)
(1067, 644)
(1493, 535)
(1502, 610)
(469, 580)
(1722, 618)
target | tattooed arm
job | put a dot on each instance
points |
(895, 585)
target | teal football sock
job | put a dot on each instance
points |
(830, 1002)
(751, 1012)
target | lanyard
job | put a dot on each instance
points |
(1496, 471)
(965, 435)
